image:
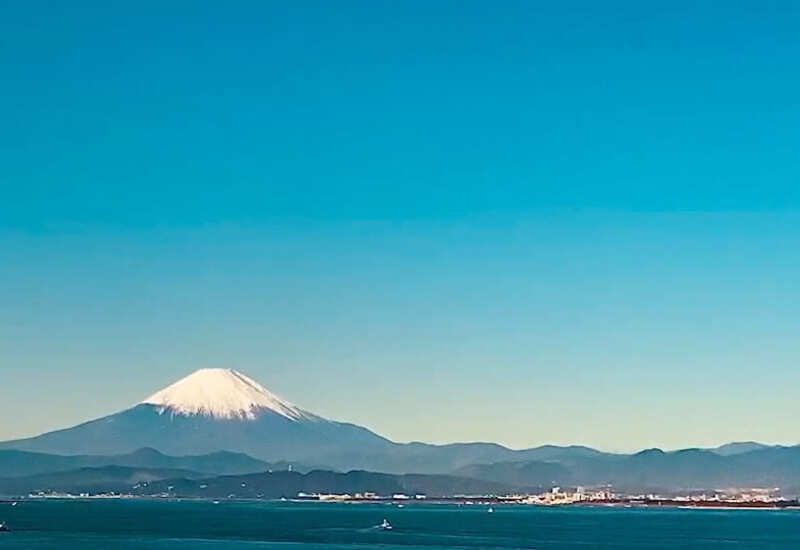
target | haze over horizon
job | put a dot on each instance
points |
(572, 224)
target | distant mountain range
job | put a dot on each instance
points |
(650, 470)
(219, 422)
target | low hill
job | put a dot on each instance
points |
(14, 463)
(289, 484)
(181, 483)
(89, 480)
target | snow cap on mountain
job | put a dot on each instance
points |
(223, 394)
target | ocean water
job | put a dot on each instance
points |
(155, 525)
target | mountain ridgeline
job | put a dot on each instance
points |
(218, 422)
(216, 410)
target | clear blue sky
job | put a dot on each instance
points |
(528, 222)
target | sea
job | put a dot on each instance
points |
(229, 525)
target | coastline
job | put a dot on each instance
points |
(496, 502)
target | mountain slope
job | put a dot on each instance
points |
(266, 436)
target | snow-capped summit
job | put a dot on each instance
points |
(214, 410)
(223, 394)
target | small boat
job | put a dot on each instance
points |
(490, 509)
(4, 528)
(385, 525)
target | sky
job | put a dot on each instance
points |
(521, 222)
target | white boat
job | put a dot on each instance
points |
(3, 528)
(385, 525)
(490, 509)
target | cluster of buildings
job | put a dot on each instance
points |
(553, 497)
(737, 498)
(358, 496)
(755, 497)
(738, 495)
(557, 497)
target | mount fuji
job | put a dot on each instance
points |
(211, 410)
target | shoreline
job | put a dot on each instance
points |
(452, 501)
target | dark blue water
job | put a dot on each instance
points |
(156, 525)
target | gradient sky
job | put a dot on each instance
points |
(525, 222)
